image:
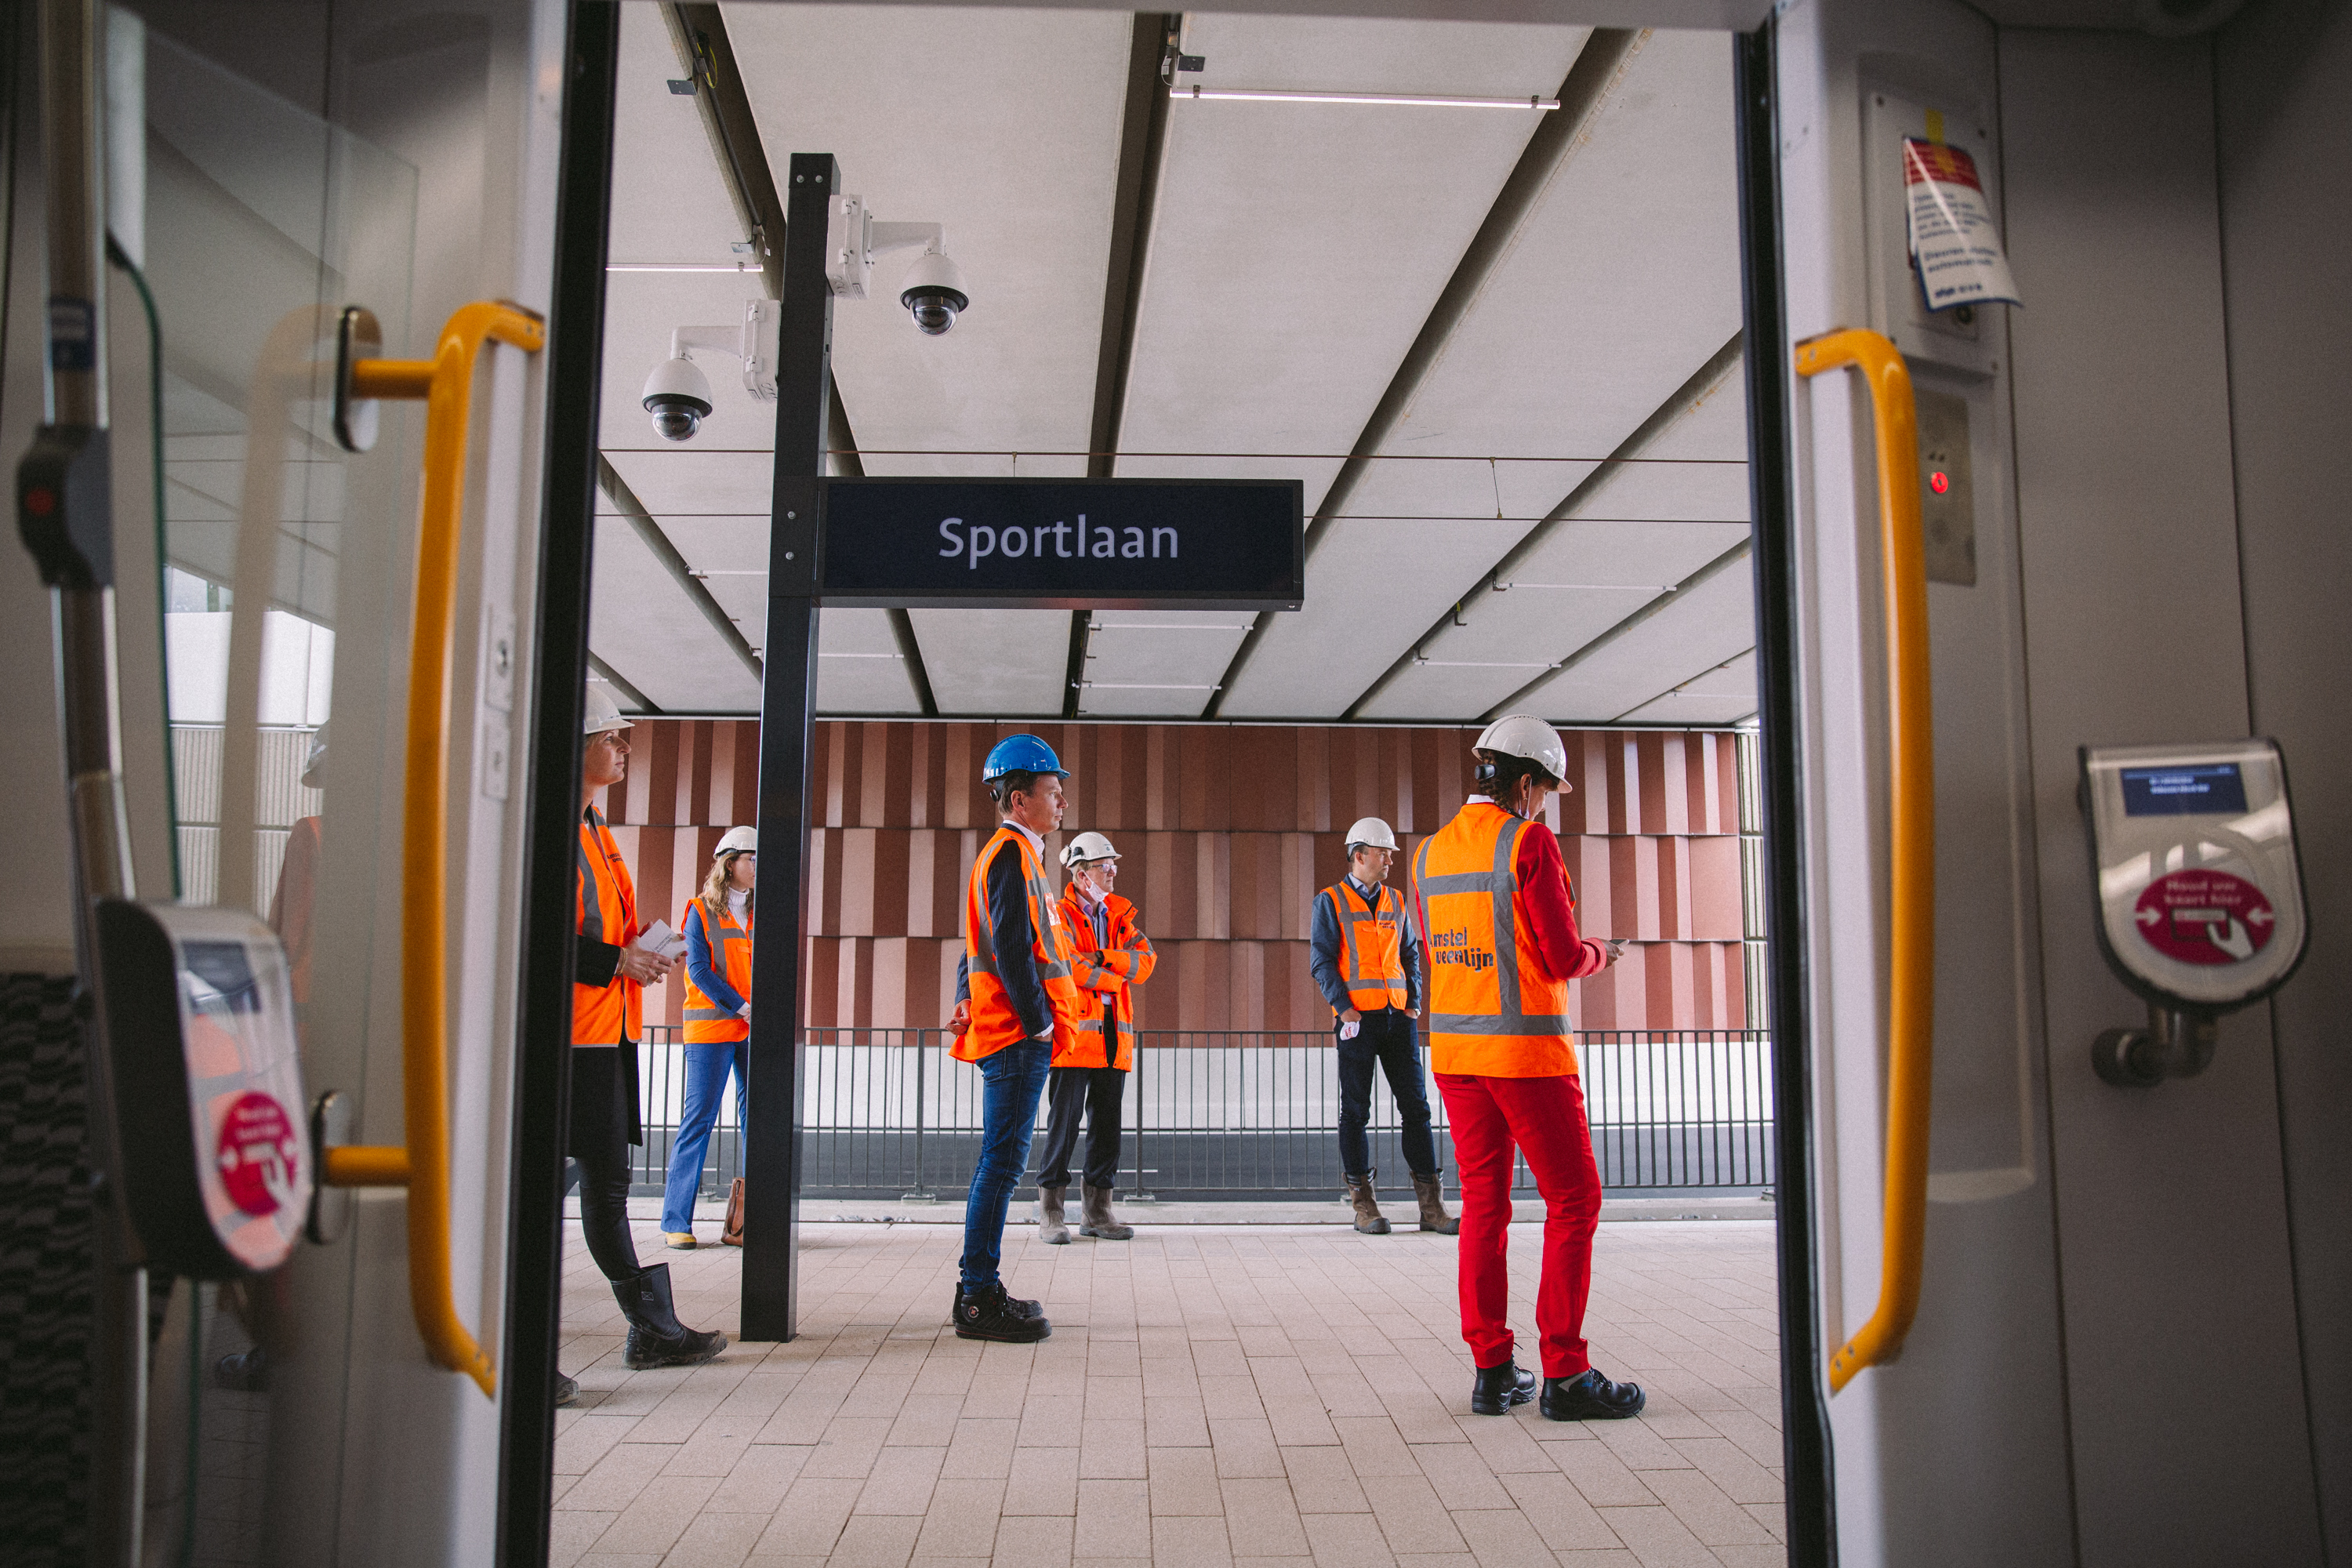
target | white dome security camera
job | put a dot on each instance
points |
(678, 396)
(934, 293)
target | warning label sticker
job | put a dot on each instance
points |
(2205, 917)
(1953, 244)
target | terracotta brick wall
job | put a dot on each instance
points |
(1226, 834)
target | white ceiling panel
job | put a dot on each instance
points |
(728, 544)
(1002, 125)
(1371, 588)
(1723, 695)
(859, 669)
(1512, 639)
(678, 483)
(678, 207)
(643, 626)
(1147, 661)
(1711, 624)
(1298, 246)
(995, 661)
(1464, 487)
(1625, 554)
(1622, 283)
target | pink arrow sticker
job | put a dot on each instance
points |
(2205, 917)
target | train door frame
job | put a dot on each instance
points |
(561, 668)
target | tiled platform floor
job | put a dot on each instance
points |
(1209, 1395)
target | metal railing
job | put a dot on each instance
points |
(886, 1113)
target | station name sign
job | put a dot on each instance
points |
(1162, 544)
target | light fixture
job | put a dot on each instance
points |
(1401, 99)
(682, 267)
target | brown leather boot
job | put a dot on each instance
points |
(1051, 1228)
(1430, 1191)
(1097, 1218)
(1367, 1208)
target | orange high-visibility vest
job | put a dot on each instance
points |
(994, 1024)
(1108, 971)
(1372, 946)
(606, 1015)
(707, 1023)
(1494, 1010)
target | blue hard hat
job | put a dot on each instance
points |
(1021, 755)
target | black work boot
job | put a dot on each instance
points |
(567, 1390)
(986, 1314)
(1591, 1398)
(1497, 1388)
(1368, 1207)
(656, 1336)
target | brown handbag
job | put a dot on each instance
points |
(733, 1234)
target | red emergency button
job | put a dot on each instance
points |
(1939, 482)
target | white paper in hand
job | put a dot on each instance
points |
(660, 941)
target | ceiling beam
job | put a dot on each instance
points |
(1659, 606)
(698, 33)
(624, 500)
(638, 700)
(1703, 383)
(1142, 147)
(1599, 66)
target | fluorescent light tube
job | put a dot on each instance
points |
(1421, 101)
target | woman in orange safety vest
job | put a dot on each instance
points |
(1109, 956)
(718, 927)
(1498, 925)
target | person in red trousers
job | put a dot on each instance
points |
(1498, 925)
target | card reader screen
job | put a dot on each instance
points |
(2212, 789)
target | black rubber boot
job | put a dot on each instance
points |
(1497, 1388)
(656, 1336)
(1591, 1398)
(987, 1314)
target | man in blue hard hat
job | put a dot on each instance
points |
(1016, 999)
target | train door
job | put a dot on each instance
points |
(309, 585)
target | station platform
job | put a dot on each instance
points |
(1212, 1394)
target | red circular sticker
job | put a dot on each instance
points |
(2205, 917)
(257, 1153)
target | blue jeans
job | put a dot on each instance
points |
(706, 1081)
(1011, 1081)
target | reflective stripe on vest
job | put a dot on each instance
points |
(1380, 982)
(605, 1015)
(1498, 883)
(707, 1023)
(994, 1023)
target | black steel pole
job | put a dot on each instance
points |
(771, 1144)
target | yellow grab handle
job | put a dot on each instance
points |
(1911, 758)
(446, 384)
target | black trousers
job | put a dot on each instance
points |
(1101, 1093)
(604, 1125)
(1392, 1040)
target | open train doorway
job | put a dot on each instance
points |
(1474, 290)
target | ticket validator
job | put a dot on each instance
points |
(2200, 893)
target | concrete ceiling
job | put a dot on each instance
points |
(1293, 254)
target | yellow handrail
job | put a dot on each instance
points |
(446, 384)
(1911, 755)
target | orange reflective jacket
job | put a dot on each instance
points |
(1372, 946)
(707, 1023)
(994, 1023)
(1494, 1011)
(1104, 971)
(606, 1015)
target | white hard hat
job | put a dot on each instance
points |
(1371, 830)
(1087, 846)
(604, 713)
(1525, 735)
(744, 838)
